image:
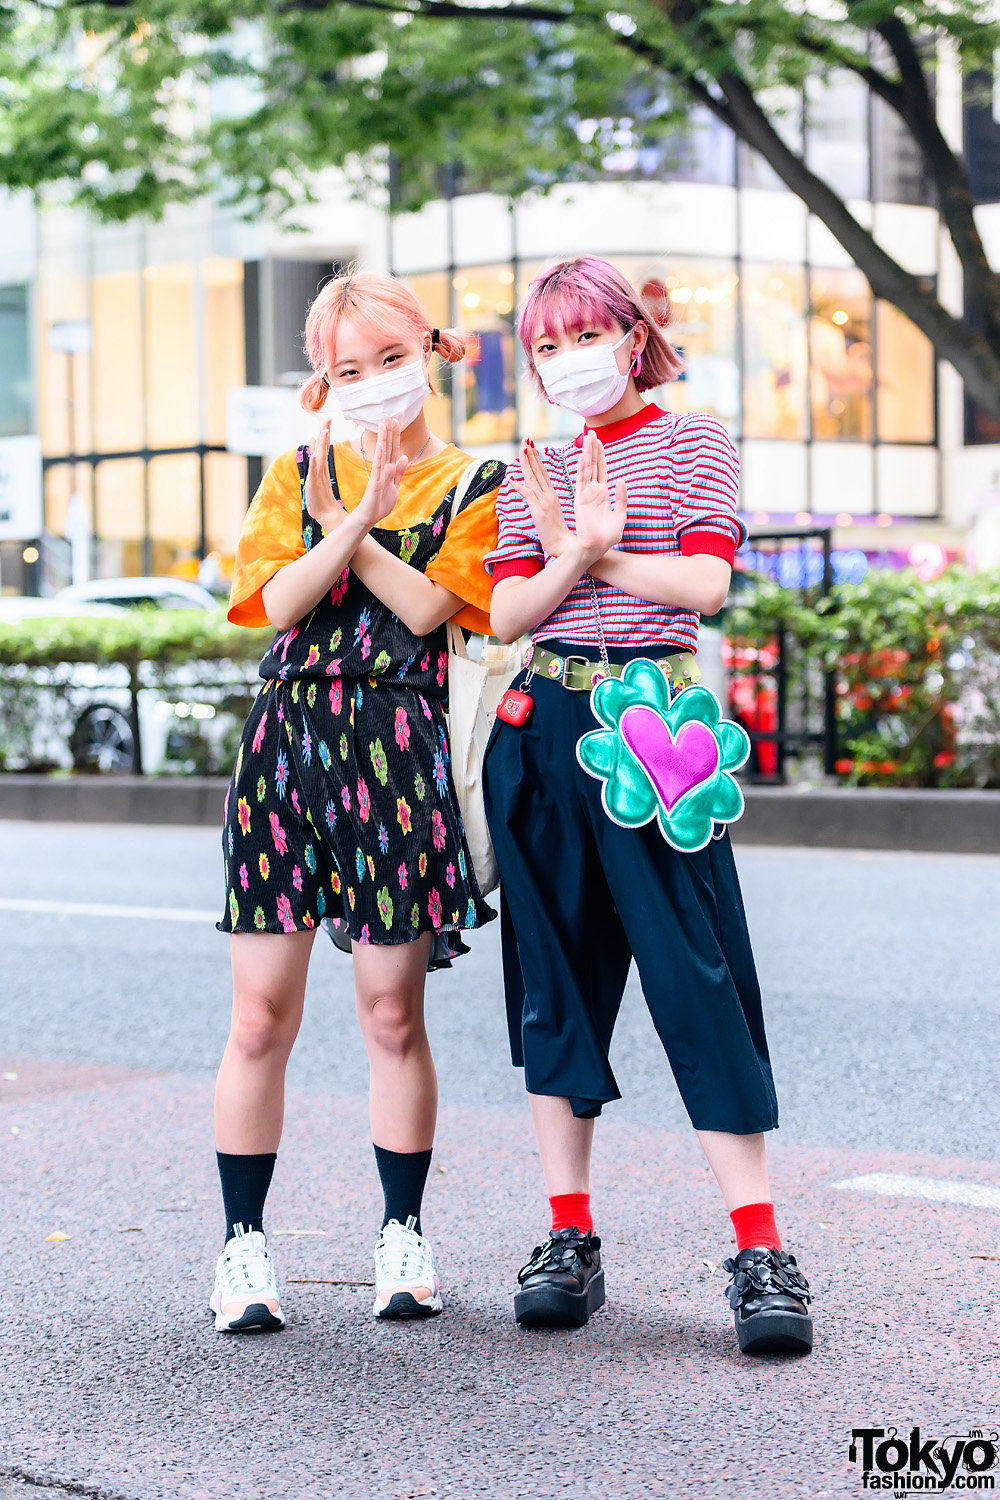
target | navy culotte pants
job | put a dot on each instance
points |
(582, 897)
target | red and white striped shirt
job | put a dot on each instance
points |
(682, 475)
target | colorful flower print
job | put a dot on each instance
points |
(364, 800)
(307, 921)
(363, 627)
(359, 863)
(371, 866)
(425, 705)
(404, 669)
(321, 901)
(343, 747)
(309, 855)
(402, 729)
(261, 788)
(359, 700)
(383, 838)
(436, 529)
(281, 714)
(278, 835)
(443, 741)
(350, 897)
(442, 670)
(385, 907)
(470, 913)
(295, 802)
(402, 877)
(420, 787)
(330, 814)
(336, 695)
(297, 877)
(440, 774)
(335, 882)
(366, 936)
(414, 915)
(425, 666)
(258, 738)
(264, 865)
(288, 730)
(340, 588)
(463, 868)
(345, 797)
(286, 639)
(259, 920)
(243, 813)
(449, 876)
(285, 913)
(336, 638)
(381, 661)
(295, 691)
(281, 775)
(438, 831)
(407, 544)
(311, 695)
(324, 754)
(229, 839)
(234, 909)
(380, 764)
(244, 877)
(312, 658)
(333, 668)
(403, 817)
(434, 908)
(307, 747)
(225, 805)
(422, 865)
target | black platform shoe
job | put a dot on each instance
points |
(769, 1296)
(562, 1284)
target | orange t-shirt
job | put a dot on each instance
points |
(272, 531)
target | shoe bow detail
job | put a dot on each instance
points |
(759, 1271)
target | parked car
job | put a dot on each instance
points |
(164, 593)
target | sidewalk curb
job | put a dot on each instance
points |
(959, 822)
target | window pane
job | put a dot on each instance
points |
(120, 511)
(16, 405)
(175, 511)
(431, 291)
(117, 312)
(702, 296)
(171, 359)
(840, 353)
(837, 133)
(537, 417)
(225, 505)
(774, 351)
(485, 381)
(223, 352)
(905, 378)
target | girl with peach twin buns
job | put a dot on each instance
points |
(610, 550)
(341, 811)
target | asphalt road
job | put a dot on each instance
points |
(879, 974)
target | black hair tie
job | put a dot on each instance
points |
(435, 337)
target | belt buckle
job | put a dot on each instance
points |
(565, 672)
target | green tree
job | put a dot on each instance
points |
(128, 106)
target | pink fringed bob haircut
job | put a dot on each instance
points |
(589, 292)
(382, 307)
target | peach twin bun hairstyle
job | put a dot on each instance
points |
(382, 307)
(590, 291)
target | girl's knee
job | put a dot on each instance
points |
(260, 1028)
(392, 1023)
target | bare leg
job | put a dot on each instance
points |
(269, 982)
(389, 985)
(564, 1145)
(740, 1166)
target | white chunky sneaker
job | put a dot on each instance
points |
(405, 1282)
(246, 1293)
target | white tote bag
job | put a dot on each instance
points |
(475, 688)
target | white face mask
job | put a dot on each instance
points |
(586, 381)
(398, 393)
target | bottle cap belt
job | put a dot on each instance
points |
(579, 674)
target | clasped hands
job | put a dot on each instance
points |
(381, 492)
(599, 524)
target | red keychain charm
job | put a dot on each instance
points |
(517, 705)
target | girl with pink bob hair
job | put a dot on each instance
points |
(342, 811)
(609, 551)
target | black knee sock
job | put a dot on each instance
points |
(403, 1175)
(245, 1181)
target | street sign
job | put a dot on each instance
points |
(20, 489)
(265, 420)
(73, 336)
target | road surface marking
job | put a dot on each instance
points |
(95, 909)
(933, 1189)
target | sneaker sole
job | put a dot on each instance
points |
(257, 1318)
(554, 1307)
(775, 1333)
(405, 1305)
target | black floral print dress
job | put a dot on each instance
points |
(341, 808)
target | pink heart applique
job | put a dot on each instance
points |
(674, 764)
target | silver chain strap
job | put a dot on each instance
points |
(605, 663)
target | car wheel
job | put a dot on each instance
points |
(102, 740)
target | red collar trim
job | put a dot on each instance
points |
(614, 431)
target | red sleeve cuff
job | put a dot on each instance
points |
(518, 567)
(694, 542)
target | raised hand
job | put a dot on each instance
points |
(388, 467)
(599, 524)
(542, 501)
(321, 503)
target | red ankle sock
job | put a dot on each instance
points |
(572, 1211)
(754, 1225)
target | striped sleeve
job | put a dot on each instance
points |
(706, 477)
(518, 550)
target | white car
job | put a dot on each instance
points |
(164, 593)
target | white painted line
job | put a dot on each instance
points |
(932, 1189)
(95, 909)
